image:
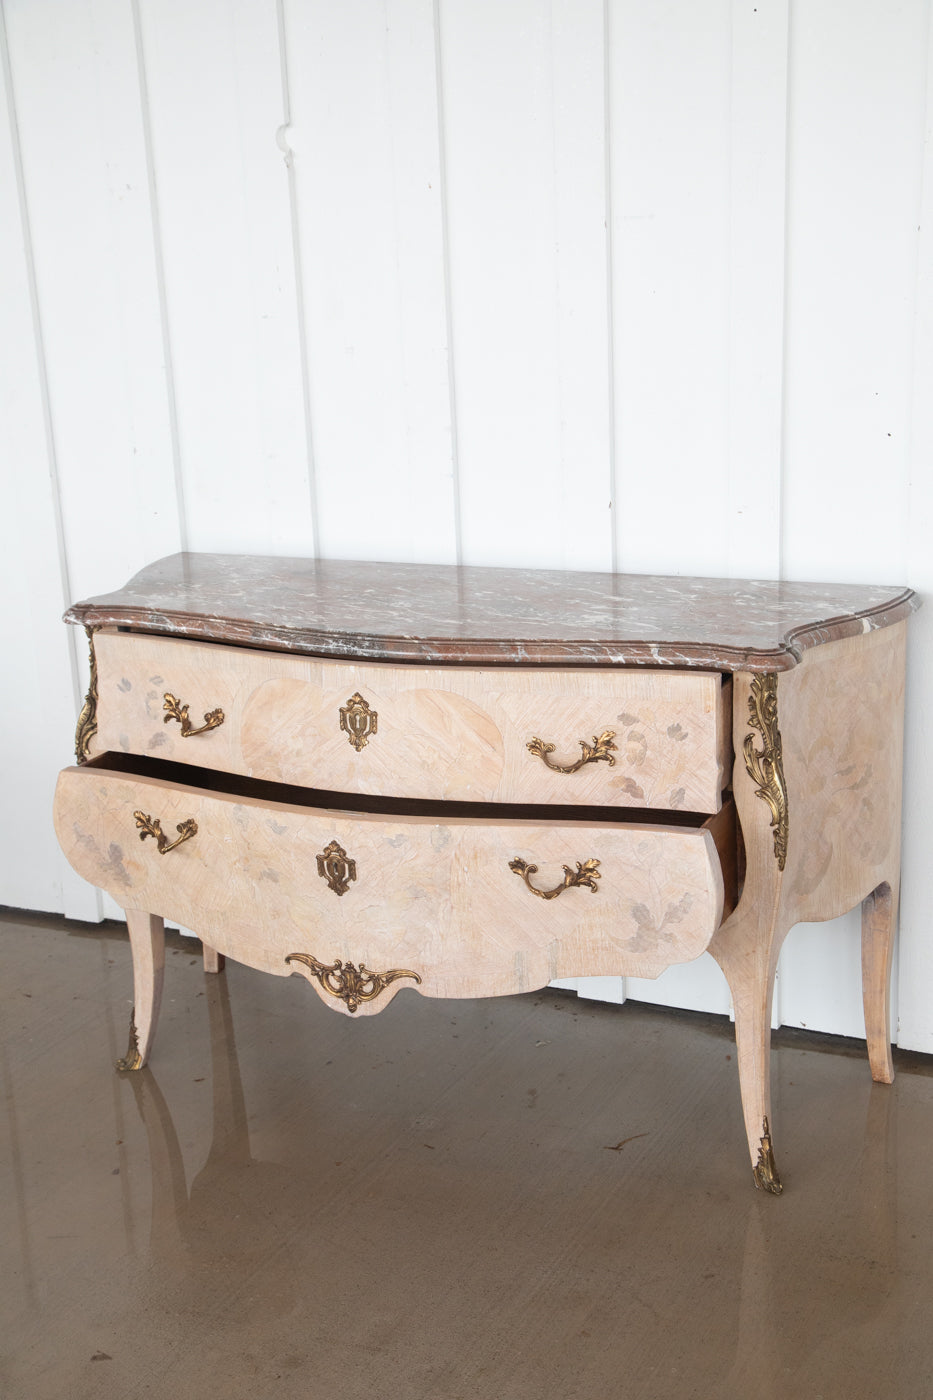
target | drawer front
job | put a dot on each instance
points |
(636, 738)
(451, 902)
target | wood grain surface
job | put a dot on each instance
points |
(435, 896)
(454, 733)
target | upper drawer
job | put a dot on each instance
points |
(459, 734)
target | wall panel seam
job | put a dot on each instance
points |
(614, 483)
(298, 274)
(924, 200)
(39, 344)
(159, 260)
(448, 304)
(72, 634)
(785, 300)
(909, 1008)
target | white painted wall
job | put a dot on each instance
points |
(571, 283)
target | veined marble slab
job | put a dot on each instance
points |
(491, 616)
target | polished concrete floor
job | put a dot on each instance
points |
(533, 1198)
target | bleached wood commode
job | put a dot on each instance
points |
(472, 781)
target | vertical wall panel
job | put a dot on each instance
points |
(669, 77)
(524, 133)
(757, 182)
(37, 674)
(86, 197)
(214, 78)
(77, 97)
(855, 155)
(856, 100)
(582, 282)
(698, 141)
(364, 135)
(915, 982)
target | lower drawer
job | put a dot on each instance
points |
(456, 905)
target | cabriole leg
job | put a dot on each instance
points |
(750, 974)
(753, 1048)
(879, 919)
(147, 941)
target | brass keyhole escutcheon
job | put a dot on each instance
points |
(358, 721)
(336, 867)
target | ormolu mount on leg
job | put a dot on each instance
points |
(765, 1171)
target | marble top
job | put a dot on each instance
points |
(490, 616)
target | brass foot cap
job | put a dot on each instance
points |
(765, 1171)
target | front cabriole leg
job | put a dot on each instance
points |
(147, 941)
(753, 1047)
(748, 956)
(747, 945)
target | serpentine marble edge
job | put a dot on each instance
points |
(473, 615)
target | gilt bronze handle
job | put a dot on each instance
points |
(601, 748)
(151, 826)
(176, 710)
(585, 874)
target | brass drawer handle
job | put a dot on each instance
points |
(176, 710)
(602, 747)
(151, 826)
(585, 874)
(346, 981)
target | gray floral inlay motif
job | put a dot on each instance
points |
(636, 748)
(630, 786)
(673, 914)
(114, 865)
